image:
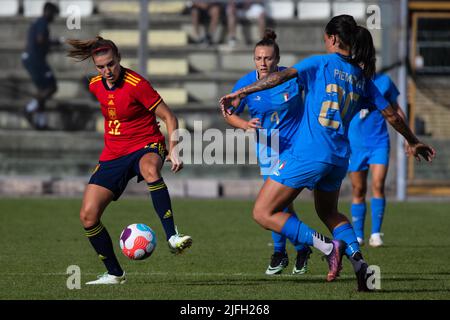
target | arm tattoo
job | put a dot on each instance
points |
(399, 125)
(272, 80)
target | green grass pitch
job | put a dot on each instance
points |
(40, 238)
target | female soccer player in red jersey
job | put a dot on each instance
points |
(134, 146)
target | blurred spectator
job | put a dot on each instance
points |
(35, 62)
(244, 9)
(208, 13)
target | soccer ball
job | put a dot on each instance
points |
(137, 241)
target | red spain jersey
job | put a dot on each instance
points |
(129, 111)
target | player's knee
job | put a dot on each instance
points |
(88, 218)
(359, 191)
(261, 217)
(151, 174)
(255, 214)
(377, 188)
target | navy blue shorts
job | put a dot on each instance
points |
(115, 174)
(40, 72)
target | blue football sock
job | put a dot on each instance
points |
(358, 218)
(345, 233)
(299, 233)
(163, 207)
(299, 246)
(377, 205)
(279, 242)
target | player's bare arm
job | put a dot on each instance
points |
(400, 111)
(402, 114)
(237, 122)
(417, 148)
(272, 80)
(165, 114)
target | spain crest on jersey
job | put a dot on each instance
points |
(112, 114)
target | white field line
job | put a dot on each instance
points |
(221, 274)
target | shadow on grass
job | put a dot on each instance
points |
(415, 246)
(412, 291)
(420, 274)
(247, 282)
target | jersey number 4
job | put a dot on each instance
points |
(350, 99)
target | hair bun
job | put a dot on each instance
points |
(269, 34)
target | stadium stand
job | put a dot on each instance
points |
(33, 8)
(132, 7)
(156, 38)
(355, 8)
(313, 10)
(116, 7)
(9, 8)
(189, 77)
(84, 7)
(281, 9)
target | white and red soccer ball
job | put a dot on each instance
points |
(137, 241)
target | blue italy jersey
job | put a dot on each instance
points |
(278, 108)
(368, 128)
(334, 90)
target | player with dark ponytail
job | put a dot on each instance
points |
(336, 85)
(277, 109)
(356, 39)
